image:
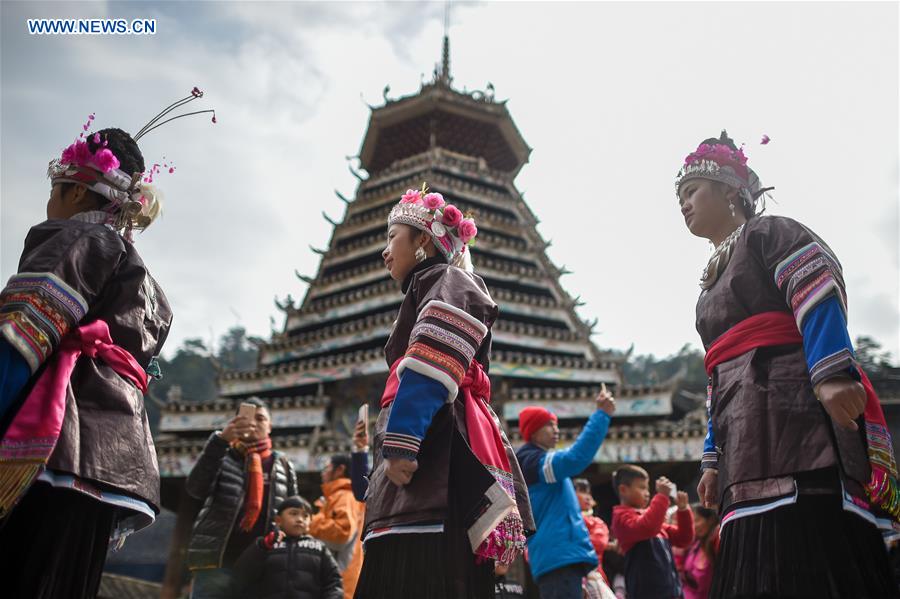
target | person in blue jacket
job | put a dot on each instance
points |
(560, 552)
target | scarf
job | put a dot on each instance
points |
(32, 436)
(780, 328)
(498, 532)
(253, 454)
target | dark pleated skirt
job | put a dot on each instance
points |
(423, 566)
(54, 544)
(812, 549)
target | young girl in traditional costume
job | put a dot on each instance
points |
(80, 325)
(446, 499)
(798, 456)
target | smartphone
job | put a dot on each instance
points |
(363, 416)
(248, 411)
(674, 493)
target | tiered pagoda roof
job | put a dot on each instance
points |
(467, 147)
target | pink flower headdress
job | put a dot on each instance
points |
(450, 230)
(132, 202)
(720, 160)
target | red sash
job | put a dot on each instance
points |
(779, 328)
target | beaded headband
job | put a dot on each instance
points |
(450, 231)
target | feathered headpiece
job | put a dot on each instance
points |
(132, 202)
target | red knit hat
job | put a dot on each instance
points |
(532, 418)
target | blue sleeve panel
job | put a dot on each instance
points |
(14, 375)
(418, 399)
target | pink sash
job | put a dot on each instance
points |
(28, 443)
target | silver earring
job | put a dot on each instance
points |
(420, 254)
(731, 207)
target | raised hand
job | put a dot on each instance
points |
(605, 401)
(664, 486)
(238, 427)
(360, 438)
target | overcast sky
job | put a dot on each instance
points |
(611, 96)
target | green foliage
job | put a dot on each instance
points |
(871, 356)
(237, 351)
(190, 376)
(646, 369)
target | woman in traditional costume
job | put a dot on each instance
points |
(80, 325)
(798, 456)
(446, 500)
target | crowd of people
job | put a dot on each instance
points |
(798, 474)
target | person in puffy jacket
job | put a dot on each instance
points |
(241, 480)
(288, 563)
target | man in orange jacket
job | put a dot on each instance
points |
(338, 522)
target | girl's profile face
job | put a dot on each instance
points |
(400, 254)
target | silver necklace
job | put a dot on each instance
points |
(719, 259)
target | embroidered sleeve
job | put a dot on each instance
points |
(417, 401)
(443, 343)
(51, 292)
(809, 275)
(36, 310)
(826, 342)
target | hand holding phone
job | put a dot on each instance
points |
(361, 431)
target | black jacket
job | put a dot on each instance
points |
(219, 479)
(650, 570)
(295, 568)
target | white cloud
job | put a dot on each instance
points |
(610, 96)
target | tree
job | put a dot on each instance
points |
(871, 356)
(646, 369)
(237, 351)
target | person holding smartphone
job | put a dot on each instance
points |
(240, 480)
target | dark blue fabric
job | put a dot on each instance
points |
(650, 570)
(418, 399)
(562, 583)
(709, 443)
(359, 474)
(530, 459)
(14, 375)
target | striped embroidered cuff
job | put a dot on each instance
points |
(443, 343)
(396, 445)
(841, 362)
(807, 277)
(710, 459)
(36, 310)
